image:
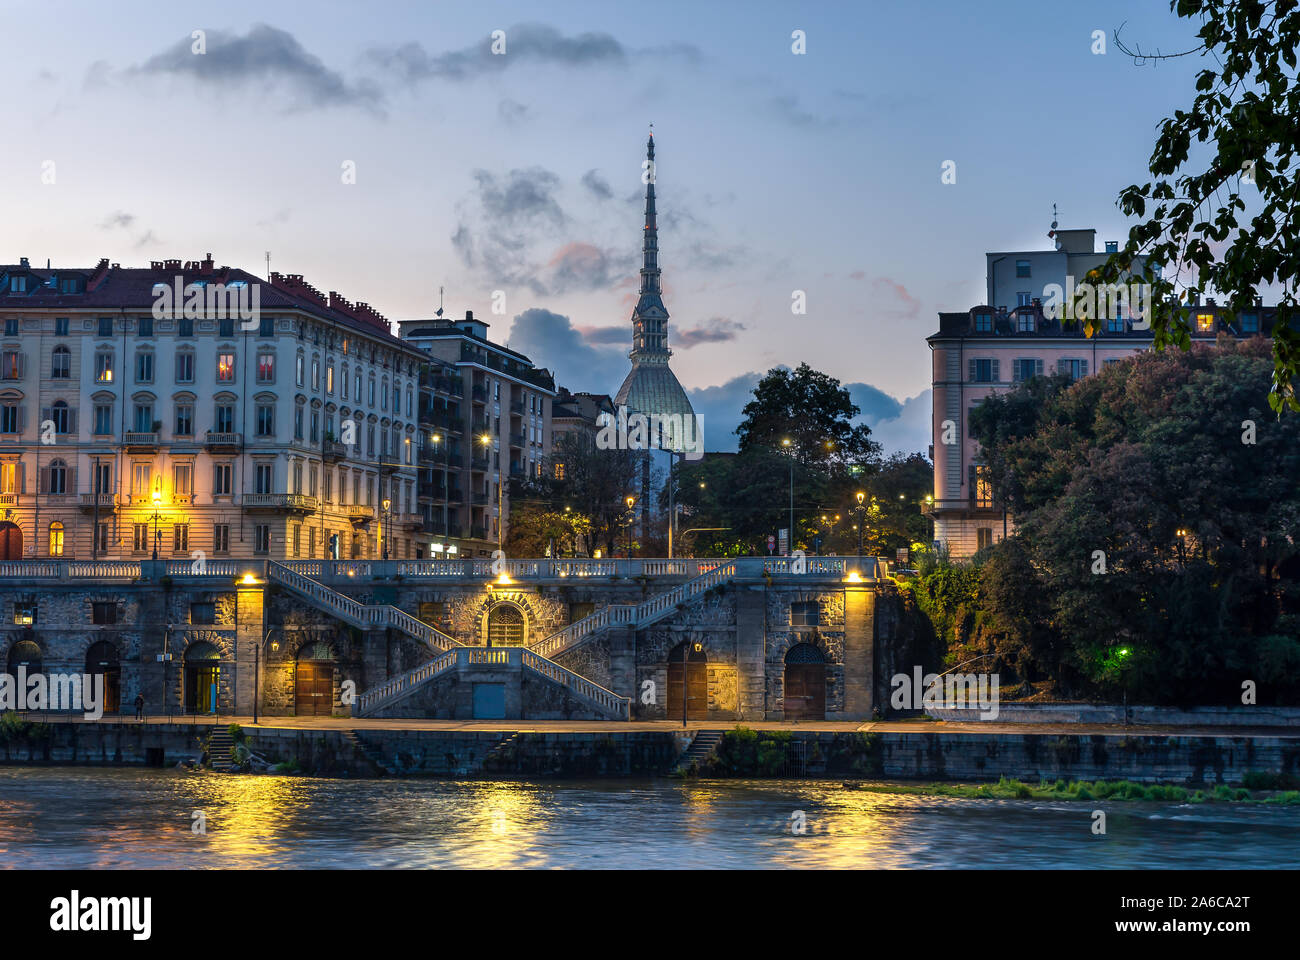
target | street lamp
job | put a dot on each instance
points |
(157, 502)
(486, 439)
(435, 439)
(862, 497)
(790, 543)
(256, 665)
(386, 523)
(630, 518)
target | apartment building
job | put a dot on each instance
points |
(990, 349)
(578, 412)
(485, 418)
(130, 429)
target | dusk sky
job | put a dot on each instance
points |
(521, 172)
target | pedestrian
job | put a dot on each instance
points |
(139, 706)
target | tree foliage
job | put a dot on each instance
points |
(1236, 144)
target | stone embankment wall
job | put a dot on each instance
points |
(609, 753)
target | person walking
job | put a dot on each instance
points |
(139, 706)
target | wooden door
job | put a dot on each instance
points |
(11, 541)
(314, 689)
(805, 691)
(697, 690)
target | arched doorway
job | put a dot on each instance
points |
(505, 626)
(805, 683)
(688, 676)
(314, 680)
(202, 677)
(11, 541)
(102, 658)
(27, 654)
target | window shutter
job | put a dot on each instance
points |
(973, 371)
(1016, 368)
(1062, 366)
(22, 417)
(970, 480)
(996, 378)
(72, 481)
(72, 421)
(44, 486)
(1083, 368)
(22, 366)
(46, 415)
(1038, 368)
(22, 478)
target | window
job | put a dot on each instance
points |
(315, 373)
(225, 422)
(1074, 369)
(180, 538)
(103, 477)
(185, 367)
(61, 416)
(144, 417)
(221, 538)
(221, 485)
(983, 489)
(144, 367)
(104, 367)
(10, 476)
(984, 371)
(262, 538)
(60, 326)
(1025, 367)
(203, 612)
(11, 365)
(343, 382)
(225, 368)
(17, 284)
(11, 326)
(983, 537)
(226, 327)
(140, 537)
(266, 326)
(315, 426)
(103, 419)
(184, 420)
(61, 364)
(103, 612)
(56, 539)
(266, 368)
(10, 418)
(983, 323)
(559, 471)
(329, 378)
(145, 325)
(57, 477)
(105, 326)
(265, 420)
(1022, 268)
(1025, 322)
(297, 422)
(141, 475)
(265, 478)
(1205, 323)
(185, 327)
(1115, 325)
(101, 538)
(1024, 298)
(804, 613)
(72, 285)
(297, 539)
(183, 480)
(371, 392)
(298, 370)
(1250, 323)
(25, 611)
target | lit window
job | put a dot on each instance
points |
(225, 367)
(1204, 322)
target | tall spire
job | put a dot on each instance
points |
(650, 318)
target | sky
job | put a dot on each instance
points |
(384, 151)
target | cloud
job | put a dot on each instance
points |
(597, 184)
(550, 340)
(522, 195)
(265, 55)
(715, 330)
(787, 109)
(909, 430)
(117, 219)
(894, 300)
(147, 239)
(720, 407)
(619, 334)
(512, 111)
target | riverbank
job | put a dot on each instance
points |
(903, 751)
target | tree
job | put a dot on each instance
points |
(813, 412)
(1157, 514)
(593, 483)
(1194, 230)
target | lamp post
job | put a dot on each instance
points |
(157, 501)
(790, 544)
(257, 688)
(435, 439)
(630, 518)
(861, 512)
(486, 439)
(386, 523)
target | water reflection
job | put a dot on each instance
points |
(115, 818)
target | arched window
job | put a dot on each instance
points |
(56, 539)
(343, 382)
(27, 654)
(61, 364)
(505, 626)
(60, 416)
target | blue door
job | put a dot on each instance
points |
(489, 701)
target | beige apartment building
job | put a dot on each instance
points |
(128, 430)
(990, 349)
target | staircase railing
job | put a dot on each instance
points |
(404, 683)
(596, 695)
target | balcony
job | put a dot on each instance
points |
(93, 501)
(478, 533)
(518, 440)
(480, 500)
(390, 464)
(517, 471)
(359, 513)
(482, 426)
(292, 502)
(217, 441)
(517, 406)
(332, 451)
(479, 463)
(141, 441)
(479, 394)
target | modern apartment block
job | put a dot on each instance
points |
(991, 348)
(485, 419)
(128, 431)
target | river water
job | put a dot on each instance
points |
(116, 818)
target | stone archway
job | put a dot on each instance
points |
(202, 673)
(506, 625)
(805, 683)
(102, 657)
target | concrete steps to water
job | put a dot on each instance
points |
(703, 746)
(220, 743)
(372, 755)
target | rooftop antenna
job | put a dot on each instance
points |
(268, 264)
(1052, 233)
(439, 313)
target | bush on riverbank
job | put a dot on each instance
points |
(1011, 789)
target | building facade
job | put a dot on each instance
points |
(130, 429)
(487, 421)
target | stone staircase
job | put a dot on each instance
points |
(366, 616)
(368, 751)
(638, 615)
(220, 743)
(702, 747)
